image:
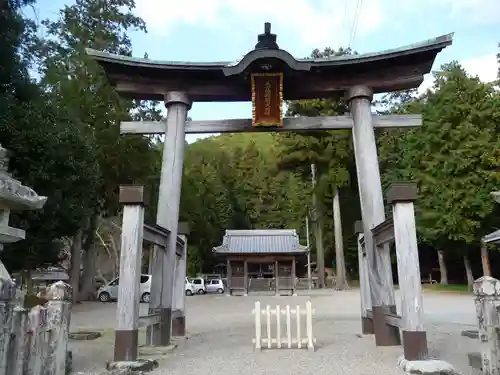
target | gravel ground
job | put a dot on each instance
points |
(220, 330)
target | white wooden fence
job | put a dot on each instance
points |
(34, 341)
(292, 322)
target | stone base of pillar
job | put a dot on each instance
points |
(179, 326)
(426, 367)
(367, 326)
(415, 345)
(385, 335)
(131, 367)
(126, 345)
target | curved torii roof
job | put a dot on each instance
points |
(394, 69)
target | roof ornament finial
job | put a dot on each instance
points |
(267, 40)
(267, 28)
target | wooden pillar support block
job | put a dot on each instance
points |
(179, 325)
(126, 342)
(415, 345)
(367, 326)
(385, 335)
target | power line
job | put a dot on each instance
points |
(344, 17)
(355, 22)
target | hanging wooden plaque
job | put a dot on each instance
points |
(267, 99)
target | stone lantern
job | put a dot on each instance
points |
(14, 196)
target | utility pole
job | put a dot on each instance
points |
(341, 280)
(320, 254)
(309, 276)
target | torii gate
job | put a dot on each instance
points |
(266, 76)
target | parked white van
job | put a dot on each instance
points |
(190, 287)
(109, 292)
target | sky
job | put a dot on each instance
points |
(225, 30)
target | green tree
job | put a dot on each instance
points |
(330, 152)
(205, 201)
(454, 157)
(48, 152)
(82, 92)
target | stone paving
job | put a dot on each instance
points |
(220, 331)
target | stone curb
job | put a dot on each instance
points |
(427, 367)
(131, 367)
(147, 351)
(84, 335)
(470, 333)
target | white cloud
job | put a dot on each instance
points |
(462, 11)
(309, 22)
(485, 67)
(476, 11)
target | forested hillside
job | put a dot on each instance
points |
(62, 130)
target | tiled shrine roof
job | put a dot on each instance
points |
(261, 241)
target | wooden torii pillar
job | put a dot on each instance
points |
(177, 104)
(372, 213)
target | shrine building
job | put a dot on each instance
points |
(261, 260)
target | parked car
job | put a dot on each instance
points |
(190, 288)
(215, 286)
(109, 292)
(199, 285)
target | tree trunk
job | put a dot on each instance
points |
(320, 254)
(468, 273)
(341, 279)
(89, 273)
(76, 261)
(89, 262)
(485, 260)
(29, 281)
(318, 227)
(442, 268)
